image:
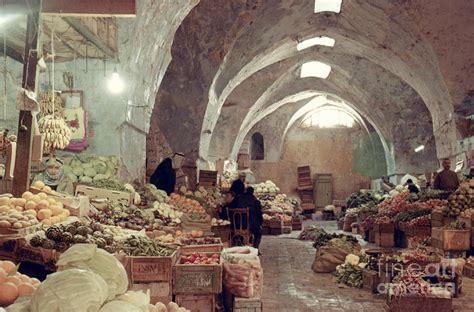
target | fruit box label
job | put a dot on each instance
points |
(190, 280)
(149, 270)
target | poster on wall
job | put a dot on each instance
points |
(75, 117)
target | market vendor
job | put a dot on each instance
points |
(249, 200)
(446, 180)
(54, 177)
(238, 186)
(412, 188)
(164, 177)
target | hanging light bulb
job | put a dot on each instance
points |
(116, 84)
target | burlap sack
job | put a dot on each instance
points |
(328, 258)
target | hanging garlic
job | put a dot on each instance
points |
(56, 133)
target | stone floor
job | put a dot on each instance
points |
(291, 286)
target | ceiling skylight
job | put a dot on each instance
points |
(328, 117)
(322, 40)
(315, 69)
(327, 6)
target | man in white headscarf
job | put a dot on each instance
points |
(54, 177)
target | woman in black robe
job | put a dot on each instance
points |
(164, 177)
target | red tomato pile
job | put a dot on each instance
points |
(200, 258)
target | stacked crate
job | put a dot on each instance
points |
(207, 178)
(305, 189)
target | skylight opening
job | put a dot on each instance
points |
(322, 40)
(327, 6)
(328, 117)
(315, 69)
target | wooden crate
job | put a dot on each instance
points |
(94, 193)
(21, 232)
(78, 206)
(385, 239)
(247, 305)
(297, 224)
(207, 178)
(370, 280)
(385, 228)
(197, 279)
(304, 176)
(418, 231)
(197, 303)
(159, 292)
(276, 224)
(6, 186)
(468, 271)
(150, 269)
(265, 230)
(221, 231)
(420, 303)
(217, 248)
(452, 240)
(371, 236)
(286, 230)
(287, 223)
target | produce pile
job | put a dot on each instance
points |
(219, 222)
(137, 245)
(208, 197)
(56, 133)
(166, 214)
(185, 204)
(346, 242)
(14, 284)
(461, 199)
(350, 272)
(92, 279)
(61, 237)
(311, 233)
(120, 213)
(394, 205)
(361, 198)
(277, 203)
(200, 258)
(267, 187)
(87, 168)
(277, 217)
(411, 283)
(26, 211)
(243, 274)
(200, 241)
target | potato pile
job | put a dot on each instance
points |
(461, 199)
(47, 209)
(12, 218)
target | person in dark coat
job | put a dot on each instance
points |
(164, 177)
(229, 204)
(248, 200)
(238, 186)
(412, 187)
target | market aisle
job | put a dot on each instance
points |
(291, 286)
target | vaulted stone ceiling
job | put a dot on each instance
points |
(403, 65)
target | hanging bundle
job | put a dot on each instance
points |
(47, 107)
(56, 133)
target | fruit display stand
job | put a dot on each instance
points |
(451, 240)
(469, 222)
(197, 279)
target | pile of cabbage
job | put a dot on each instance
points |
(91, 280)
(88, 168)
(266, 187)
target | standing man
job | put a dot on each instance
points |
(446, 180)
(238, 186)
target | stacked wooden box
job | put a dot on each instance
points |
(207, 178)
(247, 305)
(469, 222)
(153, 273)
(385, 235)
(438, 219)
(451, 240)
(305, 189)
(195, 286)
